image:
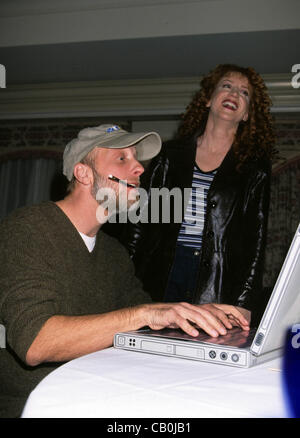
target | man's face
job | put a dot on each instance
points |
(122, 164)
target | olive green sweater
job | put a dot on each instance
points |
(45, 270)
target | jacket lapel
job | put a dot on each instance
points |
(227, 175)
(182, 162)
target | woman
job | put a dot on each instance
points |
(223, 152)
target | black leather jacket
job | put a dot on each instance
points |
(231, 261)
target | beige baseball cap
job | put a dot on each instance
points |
(112, 137)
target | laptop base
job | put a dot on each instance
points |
(213, 353)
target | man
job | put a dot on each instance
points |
(65, 287)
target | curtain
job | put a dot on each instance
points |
(284, 216)
(28, 177)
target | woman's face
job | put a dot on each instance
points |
(231, 98)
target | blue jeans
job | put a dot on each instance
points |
(183, 276)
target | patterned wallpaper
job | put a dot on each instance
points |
(288, 132)
(49, 133)
(55, 133)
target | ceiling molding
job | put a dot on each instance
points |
(132, 98)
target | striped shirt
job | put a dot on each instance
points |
(191, 229)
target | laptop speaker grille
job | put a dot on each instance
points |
(259, 338)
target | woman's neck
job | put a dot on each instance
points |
(213, 145)
(217, 137)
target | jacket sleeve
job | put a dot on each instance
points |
(134, 234)
(255, 231)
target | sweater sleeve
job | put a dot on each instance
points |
(28, 289)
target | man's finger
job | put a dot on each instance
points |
(215, 316)
(233, 310)
(223, 317)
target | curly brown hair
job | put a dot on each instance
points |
(255, 137)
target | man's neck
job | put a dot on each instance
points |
(82, 213)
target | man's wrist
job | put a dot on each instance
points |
(139, 316)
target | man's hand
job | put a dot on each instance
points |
(238, 316)
(64, 337)
(214, 319)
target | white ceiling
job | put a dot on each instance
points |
(76, 40)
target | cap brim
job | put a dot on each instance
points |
(147, 144)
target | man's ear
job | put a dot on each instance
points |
(83, 174)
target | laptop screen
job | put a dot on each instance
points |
(283, 309)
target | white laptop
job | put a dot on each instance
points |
(237, 348)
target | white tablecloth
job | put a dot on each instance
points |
(124, 384)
